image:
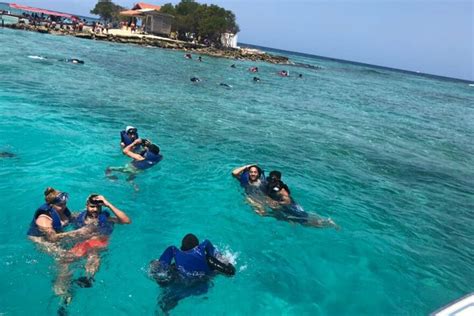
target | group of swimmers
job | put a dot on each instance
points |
(254, 69)
(67, 60)
(182, 271)
(272, 193)
(89, 234)
(70, 237)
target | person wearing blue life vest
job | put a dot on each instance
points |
(101, 224)
(47, 229)
(128, 135)
(147, 158)
(252, 179)
(50, 220)
(286, 208)
(185, 271)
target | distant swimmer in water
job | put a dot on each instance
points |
(195, 79)
(188, 56)
(256, 79)
(38, 57)
(285, 208)
(73, 61)
(149, 157)
(199, 58)
(300, 76)
(284, 73)
(253, 69)
(233, 66)
(6, 154)
(187, 270)
(225, 85)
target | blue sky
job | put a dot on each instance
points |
(433, 37)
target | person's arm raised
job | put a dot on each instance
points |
(128, 150)
(238, 171)
(122, 218)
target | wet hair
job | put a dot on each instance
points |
(275, 174)
(259, 170)
(50, 194)
(275, 185)
(153, 148)
(189, 242)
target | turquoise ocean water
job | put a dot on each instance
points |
(388, 155)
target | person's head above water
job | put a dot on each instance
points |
(132, 132)
(94, 205)
(189, 242)
(55, 198)
(274, 175)
(150, 146)
(255, 172)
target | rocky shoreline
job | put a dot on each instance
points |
(155, 41)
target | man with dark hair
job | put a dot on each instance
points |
(252, 179)
(186, 271)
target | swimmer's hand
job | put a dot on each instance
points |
(260, 211)
(136, 142)
(103, 199)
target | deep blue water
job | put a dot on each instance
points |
(388, 155)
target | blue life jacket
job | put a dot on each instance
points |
(105, 226)
(151, 159)
(125, 138)
(190, 263)
(46, 209)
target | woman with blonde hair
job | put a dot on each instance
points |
(47, 229)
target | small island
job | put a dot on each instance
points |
(189, 26)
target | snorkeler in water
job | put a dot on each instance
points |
(149, 157)
(6, 154)
(128, 135)
(186, 271)
(102, 226)
(48, 229)
(285, 207)
(73, 61)
(195, 79)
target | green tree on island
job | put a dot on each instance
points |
(201, 21)
(107, 10)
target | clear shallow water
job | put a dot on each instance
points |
(387, 155)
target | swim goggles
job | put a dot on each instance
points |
(61, 199)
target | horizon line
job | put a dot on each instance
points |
(470, 81)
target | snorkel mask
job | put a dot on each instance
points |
(61, 199)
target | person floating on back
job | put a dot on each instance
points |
(252, 179)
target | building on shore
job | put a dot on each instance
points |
(153, 21)
(229, 40)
